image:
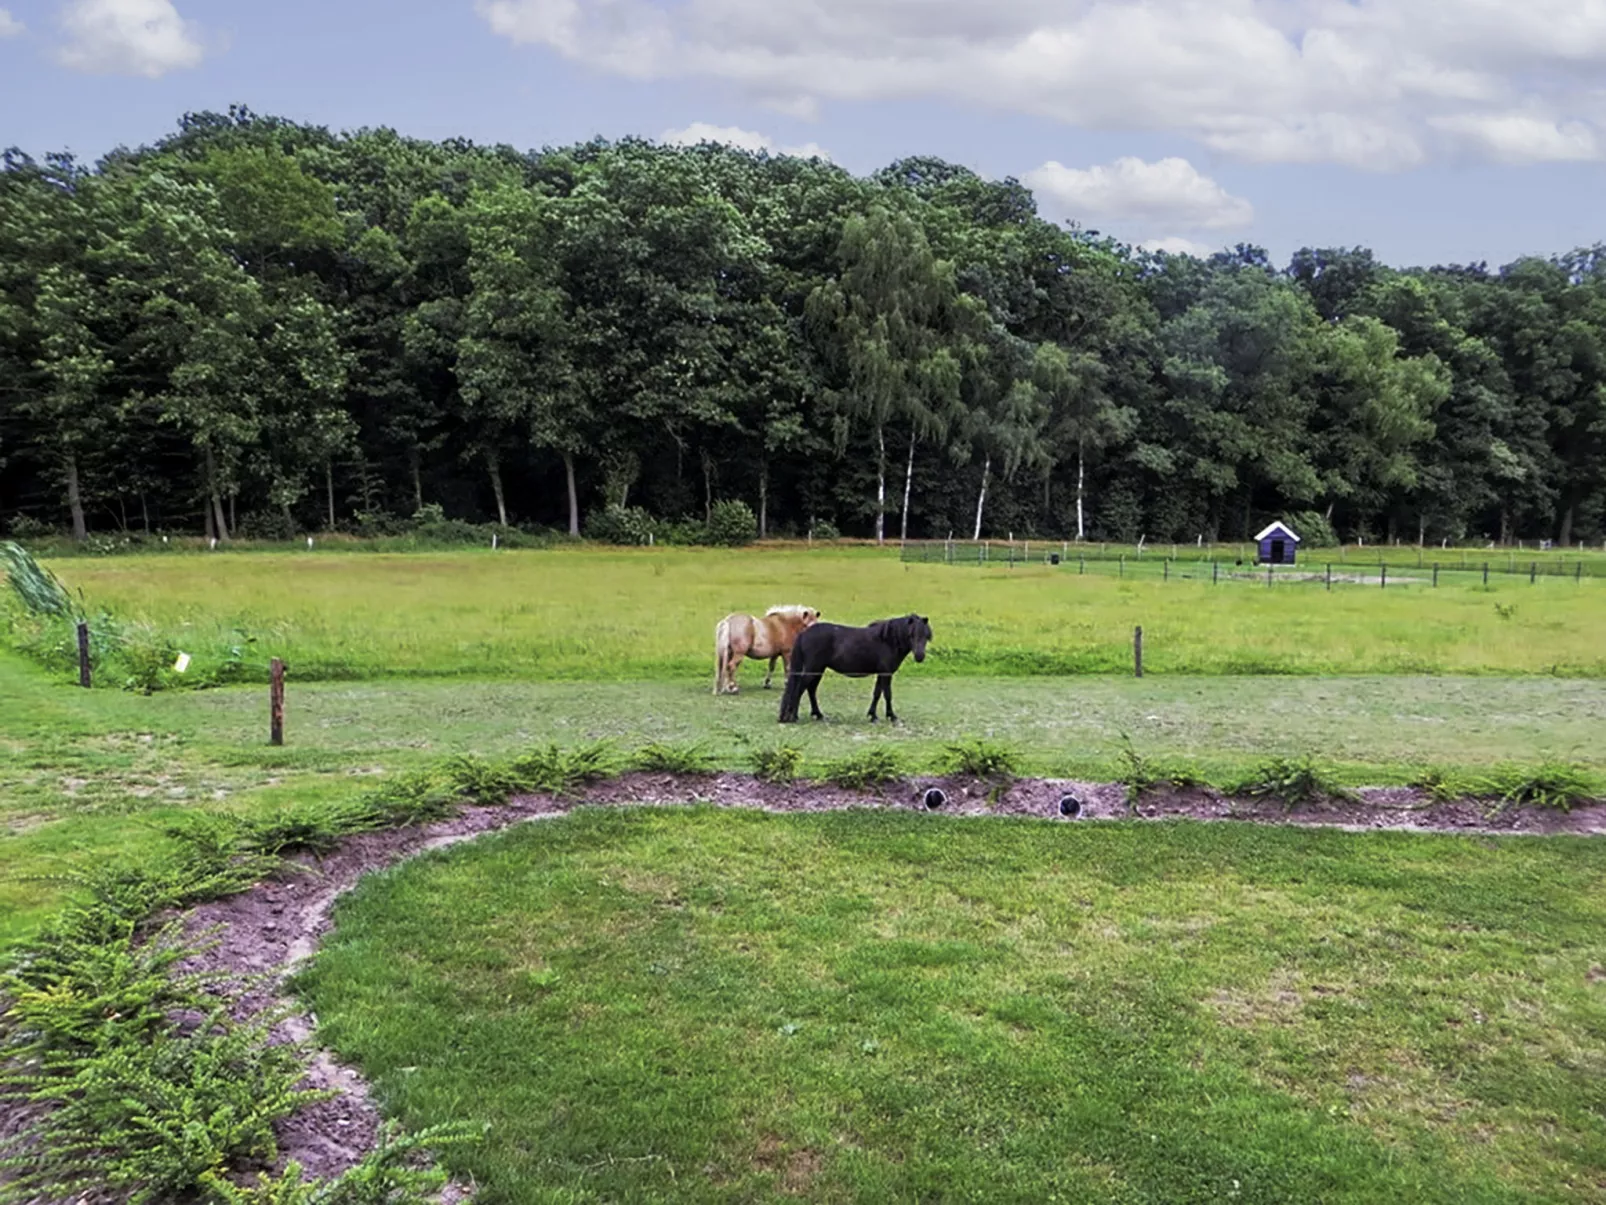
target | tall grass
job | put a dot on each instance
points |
(633, 615)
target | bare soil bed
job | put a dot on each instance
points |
(261, 935)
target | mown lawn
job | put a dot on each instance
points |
(90, 774)
(688, 1005)
(586, 614)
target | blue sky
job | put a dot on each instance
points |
(1430, 130)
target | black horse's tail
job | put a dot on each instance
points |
(793, 694)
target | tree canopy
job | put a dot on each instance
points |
(258, 327)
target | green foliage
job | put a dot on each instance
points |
(673, 759)
(981, 759)
(824, 529)
(615, 524)
(776, 763)
(1293, 781)
(1547, 785)
(40, 591)
(869, 767)
(1314, 529)
(732, 523)
(154, 1119)
(554, 770)
(26, 527)
(1142, 774)
(399, 1171)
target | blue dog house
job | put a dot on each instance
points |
(1277, 545)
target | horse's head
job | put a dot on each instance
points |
(919, 635)
(796, 617)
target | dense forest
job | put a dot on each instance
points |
(256, 328)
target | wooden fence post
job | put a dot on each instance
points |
(1382, 575)
(276, 702)
(1533, 571)
(1215, 572)
(1268, 575)
(1137, 652)
(83, 655)
(1435, 575)
(1166, 575)
(1486, 573)
(1329, 577)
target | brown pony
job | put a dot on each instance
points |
(738, 636)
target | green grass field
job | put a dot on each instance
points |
(688, 1006)
(629, 615)
(705, 1006)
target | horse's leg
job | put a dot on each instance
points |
(875, 694)
(814, 699)
(732, 664)
(886, 690)
(770, 673)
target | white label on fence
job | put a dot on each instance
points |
(182, 664)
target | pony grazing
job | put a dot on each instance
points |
(856, 652)
(737, 636)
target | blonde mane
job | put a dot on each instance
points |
(794, 610)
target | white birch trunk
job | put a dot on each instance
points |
(908, 479)
(981, 498)
(1081, 479)
(880, 487)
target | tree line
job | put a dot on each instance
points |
(256, 327)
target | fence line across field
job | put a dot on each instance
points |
(1239, 563)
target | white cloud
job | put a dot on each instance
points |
(1169, 193)
(1515, 138)
(128, 37)
(746, 140)
(1173, 245)
(1381, 84)
(10, 27)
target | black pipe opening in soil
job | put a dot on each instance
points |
(935, 798)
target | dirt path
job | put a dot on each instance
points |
(264, 934)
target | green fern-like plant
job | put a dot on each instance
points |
(871, 767)
(981, 759)
(1293, 781)
(777, 763)
(673, 759)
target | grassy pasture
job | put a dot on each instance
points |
(90, 774)
(701, 1006)
(573, 614)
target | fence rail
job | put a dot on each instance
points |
(1327, 567)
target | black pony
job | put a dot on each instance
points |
(857, 652)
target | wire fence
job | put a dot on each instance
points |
(1325, 567)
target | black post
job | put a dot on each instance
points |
(1329, 575)
(1578, 572)
(1081, 563)
(1533, 571)
(1435, 575)
(1166, 576)
(1215, 573)
(83, 655)
(1486, 573)
(1268, 575)
(1382, 575)
(1137, 652)
(1122, 572)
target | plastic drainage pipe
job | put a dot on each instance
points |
(1070, 806)
(935, 798)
